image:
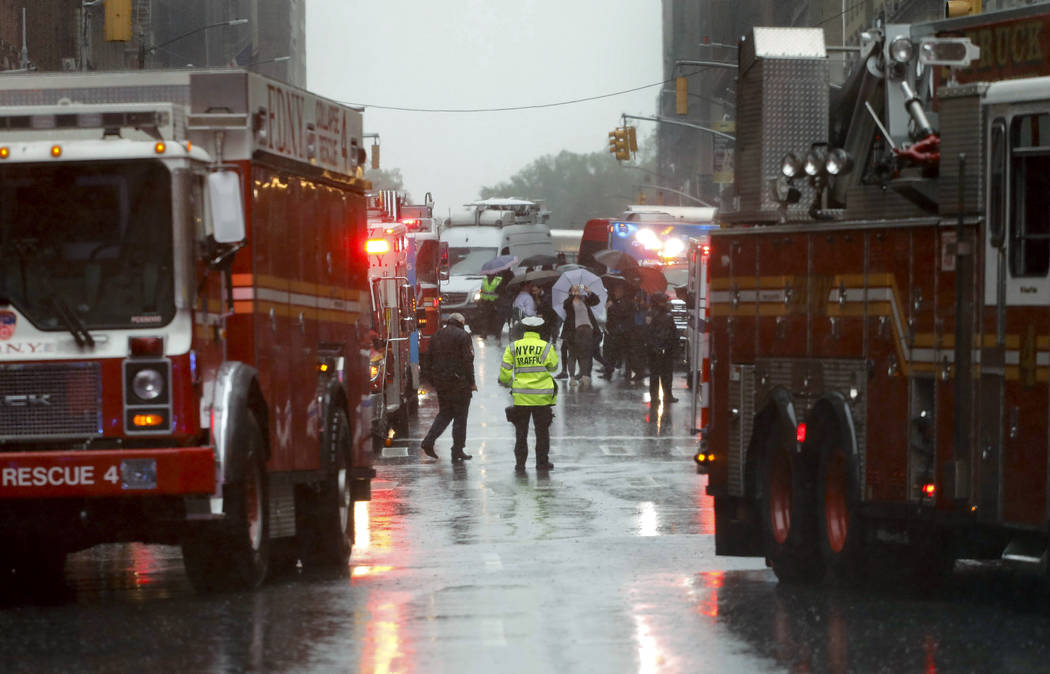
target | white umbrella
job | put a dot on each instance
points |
(579, 277)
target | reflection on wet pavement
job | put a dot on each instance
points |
(605, 564)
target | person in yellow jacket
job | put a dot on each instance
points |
(527, 366)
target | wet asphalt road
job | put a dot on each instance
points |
(605, 565)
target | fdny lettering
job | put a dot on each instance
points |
(329, 130)
(286, 124)
(55, 476)
(27, 347)
(528, 354)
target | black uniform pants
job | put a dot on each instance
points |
(452, 408)
(541, 416)
(661, 368)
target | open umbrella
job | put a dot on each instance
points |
(499, 263)
(539, 261)
(579, 277)
(615, 259)
(541, 277)
(649, 279)
(612, 280)
(569, 267)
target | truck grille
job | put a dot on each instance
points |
(453, 299)
(39, 402)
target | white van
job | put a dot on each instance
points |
(481, 231)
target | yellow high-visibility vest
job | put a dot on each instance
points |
(527, 366)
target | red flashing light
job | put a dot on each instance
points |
(929, 490)
(705, 249)
(146, 346)
(800, 433)
(377, 246)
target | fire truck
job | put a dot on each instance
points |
(394, 372)
(184, 340)
(424, 275)
(880, 287)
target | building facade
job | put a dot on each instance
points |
(266, 36)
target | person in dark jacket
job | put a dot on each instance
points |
(452, 358)
(662, 344)
(619, 312)
(580, 319)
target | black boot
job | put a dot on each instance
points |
(459, 455)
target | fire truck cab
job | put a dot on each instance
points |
(880, 293)
(182, 352)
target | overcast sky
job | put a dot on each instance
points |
(484, 54)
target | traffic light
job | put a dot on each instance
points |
(375, 156)
(118, 20)
(681, 96)
(954, 8)
(614, 144)
(622, 150)
(632, 139)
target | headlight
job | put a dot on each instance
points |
(148, 384)
(648, 239)
(477, 296)
(814, 164)
(839, 162)
(790, 165)
(901, 50)
(673, 248)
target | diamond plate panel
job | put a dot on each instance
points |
(50, 401)
(742, 397)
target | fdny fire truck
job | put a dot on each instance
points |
(880, 321)
(183, 302)
(424, 275)
(394, 373)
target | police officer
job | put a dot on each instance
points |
(527, 366)
(487, 308)
(452, 365)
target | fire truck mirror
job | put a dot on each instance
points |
(224, 201)
(443, 261)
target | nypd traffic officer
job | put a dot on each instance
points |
(527, 366)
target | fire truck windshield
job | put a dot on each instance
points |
(95, 238)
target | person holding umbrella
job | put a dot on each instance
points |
(580, 317)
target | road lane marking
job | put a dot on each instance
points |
(492, 562)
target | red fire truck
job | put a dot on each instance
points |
(880, 332)
(394, 377)
(183, 302)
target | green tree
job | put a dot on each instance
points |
(389, 179)
(577, 187)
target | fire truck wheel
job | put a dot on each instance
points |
(788, 514)
(236, 554)
(325, 516)
(838, 518)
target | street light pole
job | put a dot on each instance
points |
(153, 49)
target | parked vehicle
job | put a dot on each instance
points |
(878, 321)
(479, 232)
(183, 354)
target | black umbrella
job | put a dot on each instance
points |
(539, 260)
(615, 259)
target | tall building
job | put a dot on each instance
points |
(267, 36)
